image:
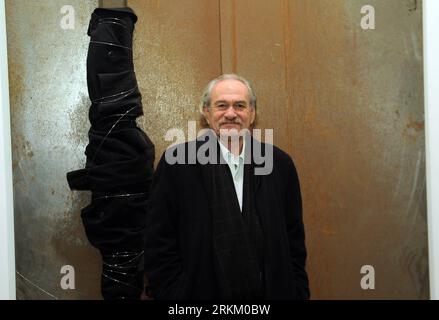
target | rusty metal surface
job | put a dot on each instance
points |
(49, 105)
(49, 128)
(344, 102)
(176, 52)
(347, 104)
(112, 3)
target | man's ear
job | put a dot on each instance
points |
(253, 116)
(206, 112)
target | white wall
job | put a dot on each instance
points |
(7, 255)
(431, 84)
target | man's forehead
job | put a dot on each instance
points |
(230, 85)
(230, 89)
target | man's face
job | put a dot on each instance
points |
(230, 107)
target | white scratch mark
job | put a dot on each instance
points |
(36, 286)
(415, 46)
(415, 180)
(401, 171)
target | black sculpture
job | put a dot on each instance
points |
(120, 156)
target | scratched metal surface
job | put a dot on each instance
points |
(176, 52)
(346, 103)
(49, 104)
(112, 3)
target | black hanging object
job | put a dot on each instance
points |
(120, 156)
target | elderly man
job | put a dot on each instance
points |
(216, 229)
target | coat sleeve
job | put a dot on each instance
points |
(296, 232)
(163, 265)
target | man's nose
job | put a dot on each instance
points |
(230, 113)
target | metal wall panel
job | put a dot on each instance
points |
(177, 51)
(347, 104)
(49, 108)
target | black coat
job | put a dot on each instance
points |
(178, 250)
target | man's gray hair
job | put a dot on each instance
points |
(206, 98)
(207, 93)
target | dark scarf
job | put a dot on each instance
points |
(237, 237)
